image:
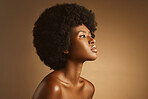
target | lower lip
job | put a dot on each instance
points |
(94, 50)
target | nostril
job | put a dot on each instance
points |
(91, 42)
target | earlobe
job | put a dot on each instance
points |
(66, 51)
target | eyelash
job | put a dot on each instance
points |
(93, 36)
(82, 35)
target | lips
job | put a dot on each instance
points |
(94, 49)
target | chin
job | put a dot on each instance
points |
(92, 58)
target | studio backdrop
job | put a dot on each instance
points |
(121, 69)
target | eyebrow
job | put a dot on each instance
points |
(83, 31)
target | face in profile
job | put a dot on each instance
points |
(83, 45)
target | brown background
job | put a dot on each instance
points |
(121, 69)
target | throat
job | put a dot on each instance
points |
(72, 72)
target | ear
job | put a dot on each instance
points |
(66, 51)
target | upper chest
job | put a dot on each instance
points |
(74, 92)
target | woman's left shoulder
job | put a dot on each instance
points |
(88, 85)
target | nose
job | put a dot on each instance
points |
(92, 41)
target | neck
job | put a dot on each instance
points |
(72, 71)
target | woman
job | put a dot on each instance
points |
(64, 40)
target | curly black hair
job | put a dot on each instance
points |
(53, 29)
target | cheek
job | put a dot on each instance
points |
(80, 46)
(84, 48)
(80, 49)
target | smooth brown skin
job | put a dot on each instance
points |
(67, 83)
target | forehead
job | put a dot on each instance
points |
(80, 28)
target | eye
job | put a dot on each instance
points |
(82, 36)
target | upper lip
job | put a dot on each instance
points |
(94, 47)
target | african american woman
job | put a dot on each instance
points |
(64, 40)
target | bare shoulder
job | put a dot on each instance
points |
(49, 88)
(89, 87)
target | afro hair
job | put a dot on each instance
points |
(53, 29)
